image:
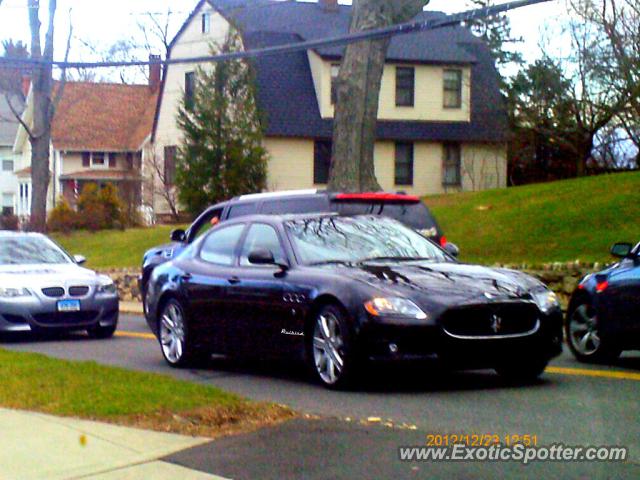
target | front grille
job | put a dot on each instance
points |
(491, 320)
(64, 318)
(78, 291)
(53, 292)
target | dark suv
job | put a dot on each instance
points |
(405, 208)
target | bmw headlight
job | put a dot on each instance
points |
(394, 306)
(546, 300)
(14, 292)
(106, 285)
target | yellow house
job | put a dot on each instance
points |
(442, 125)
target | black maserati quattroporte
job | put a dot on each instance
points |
(341, 291)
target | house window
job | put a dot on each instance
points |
(170, 165)
(206, 22)
(321, 161)
(404, 164)
(7, 204)
(335, 71)
(7, 165)
(452, 88)
(452, 165)
(86, 159)
(189, 89)
(405, 86)
(113, 160)
(97, 159)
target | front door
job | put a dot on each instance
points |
(260, 311)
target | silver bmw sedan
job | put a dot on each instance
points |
(43, 288)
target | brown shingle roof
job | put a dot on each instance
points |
(103, 117)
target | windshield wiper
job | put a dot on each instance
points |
(395, 259)
(330, 262)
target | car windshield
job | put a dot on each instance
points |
(359, 239)
(23, 250)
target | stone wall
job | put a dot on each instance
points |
(562, 278)
(126, 281)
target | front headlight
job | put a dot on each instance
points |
(546, 300)
(14, 292)
(107, 286)
(394, 306)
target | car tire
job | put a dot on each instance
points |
(101, 333)
(583, 337)
(174, 337)
(330, 347)
(522, 372)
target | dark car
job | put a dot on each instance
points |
(338, 291)
(603, 317)
(405, 208)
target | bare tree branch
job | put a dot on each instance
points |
(53, 106)
(17, 115)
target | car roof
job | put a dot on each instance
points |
(10, 233)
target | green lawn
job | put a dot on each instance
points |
(114, 248)
(88, 390)
(559, 221)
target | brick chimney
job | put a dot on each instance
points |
(329, 5)
(155, 71)
(26, 85)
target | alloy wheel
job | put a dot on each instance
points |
(328, 348)
(583, 332)
(172, 336)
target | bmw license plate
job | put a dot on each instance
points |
(69, 306)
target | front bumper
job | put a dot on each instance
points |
(35, 313)
(379, 341)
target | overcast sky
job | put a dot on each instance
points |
(102, 23)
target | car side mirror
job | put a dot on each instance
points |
(178, 235)
(622, 250)
(452, 249)
(79, 259)
(261, 256)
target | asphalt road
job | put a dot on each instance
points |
(572, 404)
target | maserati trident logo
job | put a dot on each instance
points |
(496, 323)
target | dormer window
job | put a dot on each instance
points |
(453, 88)
(405, 86)
(206, 22)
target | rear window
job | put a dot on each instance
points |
(319, 204)
(415, 215)
(242, 209)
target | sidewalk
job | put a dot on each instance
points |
(39, 446)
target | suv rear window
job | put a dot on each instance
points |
(415, 215)
(317, 204)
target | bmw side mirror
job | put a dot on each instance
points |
(178, 235)
(261, 256)
(79, 259)
(622, 250)
(452, 249)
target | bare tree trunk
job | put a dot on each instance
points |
(40, 135)
(354, 126)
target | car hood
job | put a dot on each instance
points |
(446, 283)
(36, 276)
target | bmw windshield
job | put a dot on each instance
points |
(359, 239)
(26, 250)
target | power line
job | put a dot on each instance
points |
(340, 40)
